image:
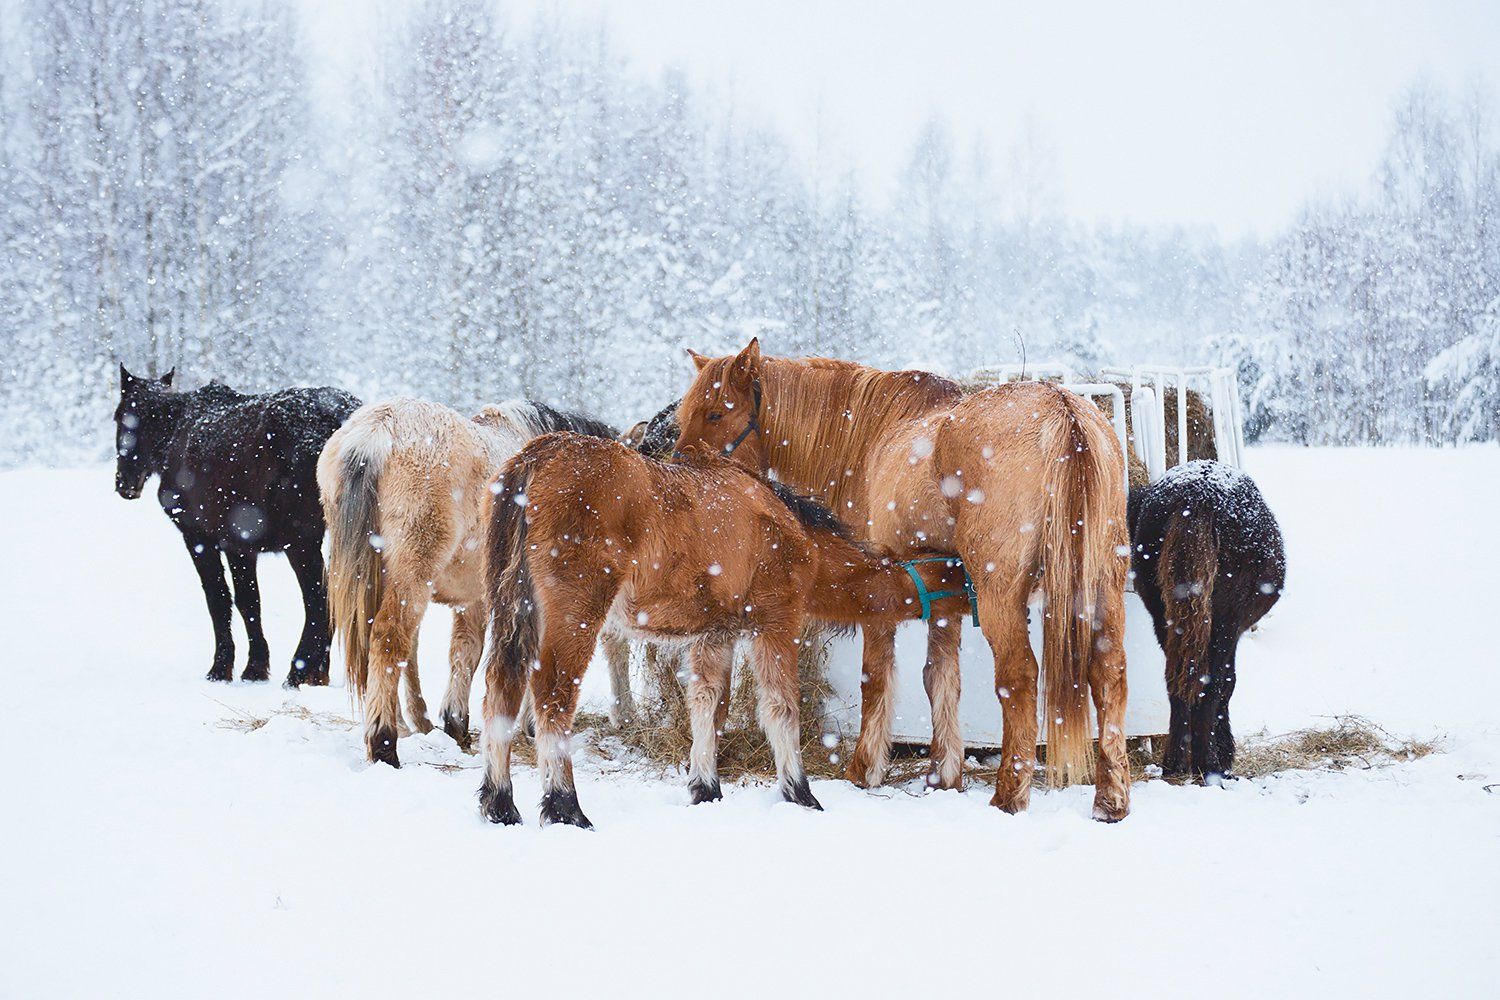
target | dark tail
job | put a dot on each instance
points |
(1189, 563)
(513, 614)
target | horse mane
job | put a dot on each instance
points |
(810, 513)
(546, 419)
(820, 411)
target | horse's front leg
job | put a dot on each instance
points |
(940, 676)
(773, 657)
(617, 654)
(708, 680)
(205, 556)
(877, 694)
(247, 599)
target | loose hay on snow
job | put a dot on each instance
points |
(1352, 742)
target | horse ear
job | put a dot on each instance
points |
(700, 361)
(125, 377)
(167, 378)
(745, 368)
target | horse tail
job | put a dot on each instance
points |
(1081, 533)
(349, 473)
(1185, 573)
(514, 633)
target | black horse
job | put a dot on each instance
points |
(1209, 563)
(238, 477)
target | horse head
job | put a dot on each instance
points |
(142, 427)
(721, 409)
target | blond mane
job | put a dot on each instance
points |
(821, 417)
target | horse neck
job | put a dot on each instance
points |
(173, 410)
(820, 425)
(853, 585)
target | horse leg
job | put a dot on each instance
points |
(310, 661)
(205, 555)
(247, 599)
(1002, 617)
(416, 708)
(1176, 760)
(504, 691)
(564, 656)
(708, 680)
(1211, 724)
(392, 644)
(940, 676)
(617, 655)
(877, 695)
(773, 657)
(1108, 686)
(463, 658)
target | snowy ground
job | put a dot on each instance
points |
(149, 847)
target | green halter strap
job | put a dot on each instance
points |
(928, 596)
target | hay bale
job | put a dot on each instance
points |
(660, 735)
(1200, 423)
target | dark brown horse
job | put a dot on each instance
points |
(698, 552)
(1024, 481)
(238, 479)
(1209, 563)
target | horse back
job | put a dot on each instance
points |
(242, 468)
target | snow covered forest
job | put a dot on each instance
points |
(507, 210)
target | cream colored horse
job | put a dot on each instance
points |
(405, 488)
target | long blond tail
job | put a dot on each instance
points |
(349, 480)
(1085, 523)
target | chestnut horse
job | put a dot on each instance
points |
(1024, 481)
(405, 489)
(585, 531)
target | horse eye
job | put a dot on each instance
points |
(714, 418)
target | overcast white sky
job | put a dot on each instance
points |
(1225, 114)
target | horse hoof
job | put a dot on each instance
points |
(800, 794)
(498, 805)
(382, 746)
(861, 774)
(255, 675)
(220, 676)
(703, 791)
(458, 729)
(1111, 810)
(562, 807)
(1013, 803)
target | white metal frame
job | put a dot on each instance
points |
(1149, 385)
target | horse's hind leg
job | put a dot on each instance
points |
(1002, 617)
(1176, 760)
(773, 657)
(617, 655)
(310, 661)
(1210, 708)
(877, 696)
(707, 683)
(566, 648)
(1108, 686)
(392, 644)
(205, 556)
(1220, 759)
(504, 691)
(463, 657)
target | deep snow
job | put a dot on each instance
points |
(150, 848)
